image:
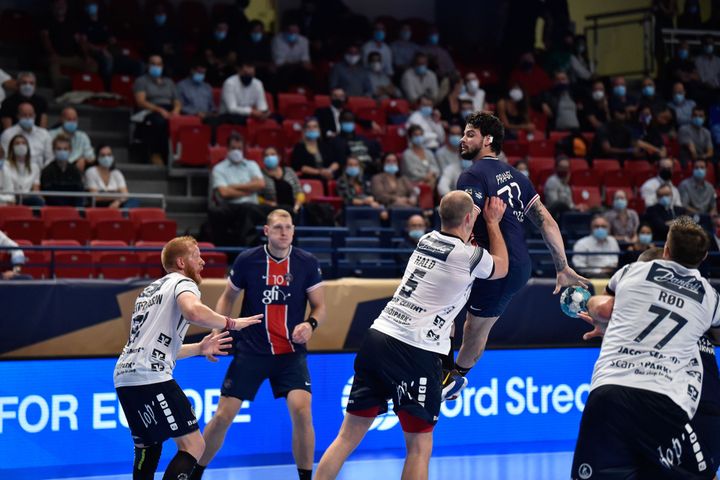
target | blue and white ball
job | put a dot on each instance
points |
(573, 300)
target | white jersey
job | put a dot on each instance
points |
(157, 331)
(436, 285)
(661, 311)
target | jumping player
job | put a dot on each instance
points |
(647, 379)
(401, 355)
(155, 407)
(279, 280)
(489, 177)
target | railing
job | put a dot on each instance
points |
(672, 37)
(92, 195)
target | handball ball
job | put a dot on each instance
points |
(573, 300)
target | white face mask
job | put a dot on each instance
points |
(473, 86)
(598, 95)
(20, 150)
(516, 94)
(235, 155)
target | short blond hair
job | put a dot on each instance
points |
(277, 213)
(176, 248)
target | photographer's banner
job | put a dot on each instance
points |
(62, 418)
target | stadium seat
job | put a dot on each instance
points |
(175, 122)
(589, 196)
(637, 204)
(299, 111)
(321, 101)
(269, 137)
(15, 25)
(356, 103)
(539, 164)
(578, 165)
(575, 225)
(157, 230)
(426, 199)
(217, 96)
(602, 166)
(556, 136)
(138, 215)
(31, 229)
(254, 153)
(71, 229)
(217, 154)
(123, 86)
(618, 178)
(50, 214)
(14, 212)
(375, 114)
(312, 188)
(358, 217)
(94, 215)
(367, 264)
(399, 216)
(119, 265)
(312, 243)
(293, 131)
(88, 82)
(69, 263)
(394, 139)
(193, 142)
(117, 229)
(216, 263)
(610, 194)
(150, 259)
(395, 106)
(270, 102)
(585, 178)
(515, 148)
(36, 261)
(104, 243)
(541, 148)
(288, 100)
(223, 132)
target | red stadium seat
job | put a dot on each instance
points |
(31, 229)
(539, 164)
(541, 148)
(578, 165)
(176, 122)
(585, 178)
(269, 137)
(217, 96)
(617, 179)
(589, 196)
(395, 106)
(299, 111)
(192, 146)
(321, 101)
(123, 86)
(157, 230)
(139, 215)
(14, 212)
(216, 263)
(602, 166)
(426, 199)
(555, 136)
(88, 82)
(375, 114)
(332, 188)
(312, 189)
(217, 154)
(254, 153)
(115, 229)
(253, 125)
(73, 265)
(293, 131)
(357, 103)
(104, 243)
(270, 101)
(36, 261)
(223, 132)
(50, 214)
(637, 204)
(119, 265)
(515, 148)
(150, 259)
(286, 100)
(71, 229)
(610, 194)
(96, 214)
(394, 139)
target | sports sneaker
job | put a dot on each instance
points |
(452, 385)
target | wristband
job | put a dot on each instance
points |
(313, 322)
(229, 323)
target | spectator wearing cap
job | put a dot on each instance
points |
(696, 193)
(37, 137)
(428, 118)
(377, 44)
(381, 84)
(419, 80)
(694, 139)
(404, 49)
(26, 83)
(599, 240)
(82, 153)
(661, 215)
(664, 177)
(350, 75)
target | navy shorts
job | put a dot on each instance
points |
(490, 298)
(156, 412)
(247, 372)
(630, 433)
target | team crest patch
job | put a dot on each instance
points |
(585, 471)
(288, 278)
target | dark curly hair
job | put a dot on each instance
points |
(488, 124)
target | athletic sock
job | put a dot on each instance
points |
(304, 474)
(198, 472)
(180, 467)
(146, 461)
(462, 371)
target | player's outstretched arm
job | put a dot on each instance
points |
(212, 344)
(196, 312)
(547, 225)
(493, 212)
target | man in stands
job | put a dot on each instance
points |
(62, 176)
(419, 80)
(600, 240)
(37, 137)
(26, 83)
(243, 97)
(82, 153)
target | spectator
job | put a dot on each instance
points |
(255, 48)
(598, 241)
(661, 215)
(595, 113)
(390, 188)
(377, 44)
(429, 120)
(644, 238)
(381, 84)
(449, 175)
(351, 187)
(24, 174)
(415, 228)
(620, 99)
(59, 39)
(697, 194)
(162, 39)
(350, 75)
(195, 94)
(236, 19)
(419, 163)
(61, 175)
(282, 186)
(219, 51)
(474, 92)
(681, 106)
(529, 76)
(649, 97)
(615, 140)
(449, 153)
(581, 69)
(82, 154)
(558, 194)
(291, 55)
(17, 257)
(236, 180)
(312, 156)
(664, 177)
(691, 17)
(522, 167)
(6, 185)
(681, 68)
(6, 83)
(623, 221)
(329, 117)
(419, 80)
(694, 139)
(708, 65)
(26, 94)
(648, 139)
(37, 137)
(404, 49)
(243, 96)
(514, 112)
(452, 105)
(94, 37)
(106, 178)
(559, 104)
(157, 96)
(348, 143)
(438, 56)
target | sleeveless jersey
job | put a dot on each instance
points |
(157, 330)
(434, 288)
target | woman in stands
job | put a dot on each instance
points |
(312, 156)
(282, 187)
(514, 112)
(351, 187)
(24, 175)
(623, 221)
(390, 188)
(105, 178)
(418, 162)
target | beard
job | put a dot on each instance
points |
(469, 154)
(192, 274)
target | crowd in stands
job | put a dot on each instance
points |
(375, 120)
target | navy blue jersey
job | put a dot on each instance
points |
(710, 396)
(489, 177)
(278, 289)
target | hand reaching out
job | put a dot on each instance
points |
(215, 344)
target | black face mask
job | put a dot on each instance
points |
(337, 103)
(665, 174)
(246, 79)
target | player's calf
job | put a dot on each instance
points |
(146, 461)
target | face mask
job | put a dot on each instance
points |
(352, 59)
(466, 113)
(600, 233)
(391, 168)
(699, 173)
(62, 155)
(198, 77)
(473, 86)
(516, 94)
(525, 172)
(92, 9)
(352, 171)
(646, 119)
(220, 35)
(598, 95)
(416, 234)
(421, 69)
(27, 89)
(466, 164)
(246, 80)
(620, 204)
(564, 174)
(645, 238)
(27, 123)
(709, 49)
(698, 121)
(291, 37)
(665, 200)
(337, 103)
(683, 54)
(679, 98)
(619, 90)
(648, 90)
(379, 35)
(161, 19)
(418, 140)
(105, 161)
(406, 35)
(236, 155)
(70, 127)
(434, 39)
(312, 134)
(20, 150)
(376, 67)
(665, 174)
(271, 161)
(426, 110)
(347, 127)
(454, 140)
(155, 71)
(256, 37)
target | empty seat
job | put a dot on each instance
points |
(118, 265)
(50, 214)
(94, 215)
(312, 188)
(539, 164)
(87, 81)
(193, 142)
(36, 261)
(541, 148)
(603, 166)
(357, 103)
(579, 165)
(394, 139)
(31, 229)
(73, 229)
(269, 137)
(585, 178)
(216, 263)
(149, 255)
(69, 263)
(589, 196)
(223, 132)
(399, 216)
(115, 229)
(313, 244)
(104, 243)
(287, 99)
(138, 215)
(14, 212)
(157, 230)
(176, 122)
(357, 217)
(123, 86)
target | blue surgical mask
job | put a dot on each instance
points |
(645, 238)
(455, 140)
(27, 123)
(406, 35)
(105, 161)
(426, 110)
(600, 233)
(709, 49)
(466, 113)
(648, 90)
(620, 204)
(271, 161)
(391, 168)
(62, 155)
(434, 39)
(347, 127)
(416, 233)
(699, 173)
(312, 134)
(619, 90)
(291, 37)
(256, 37)
(220, 35)
(236, 156)
(679, 97)
(155, 71)
(525, 172)
(417, 140)
(352, 171)
(92, 9)
(27, 89)
(665, 200)
(198, 77)
(379, 35)
(161, 19)
(421, 69)
(698, 121)
(70, 127)
(683, 54)
(466, 164)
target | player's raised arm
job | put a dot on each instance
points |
(492, 213)
(541, 218)
(196, 312)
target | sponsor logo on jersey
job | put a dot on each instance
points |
(666, 277)
(274, 295)
(435, 248)
(167, 412)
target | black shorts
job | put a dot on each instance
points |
(248, 371)
(156, 412)
(386, 368)
(629, 433)
(490, 298)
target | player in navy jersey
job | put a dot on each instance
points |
(488, 177)
(278, 280)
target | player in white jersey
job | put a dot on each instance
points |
(647, 381)
(400, 356)
(154, 405)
